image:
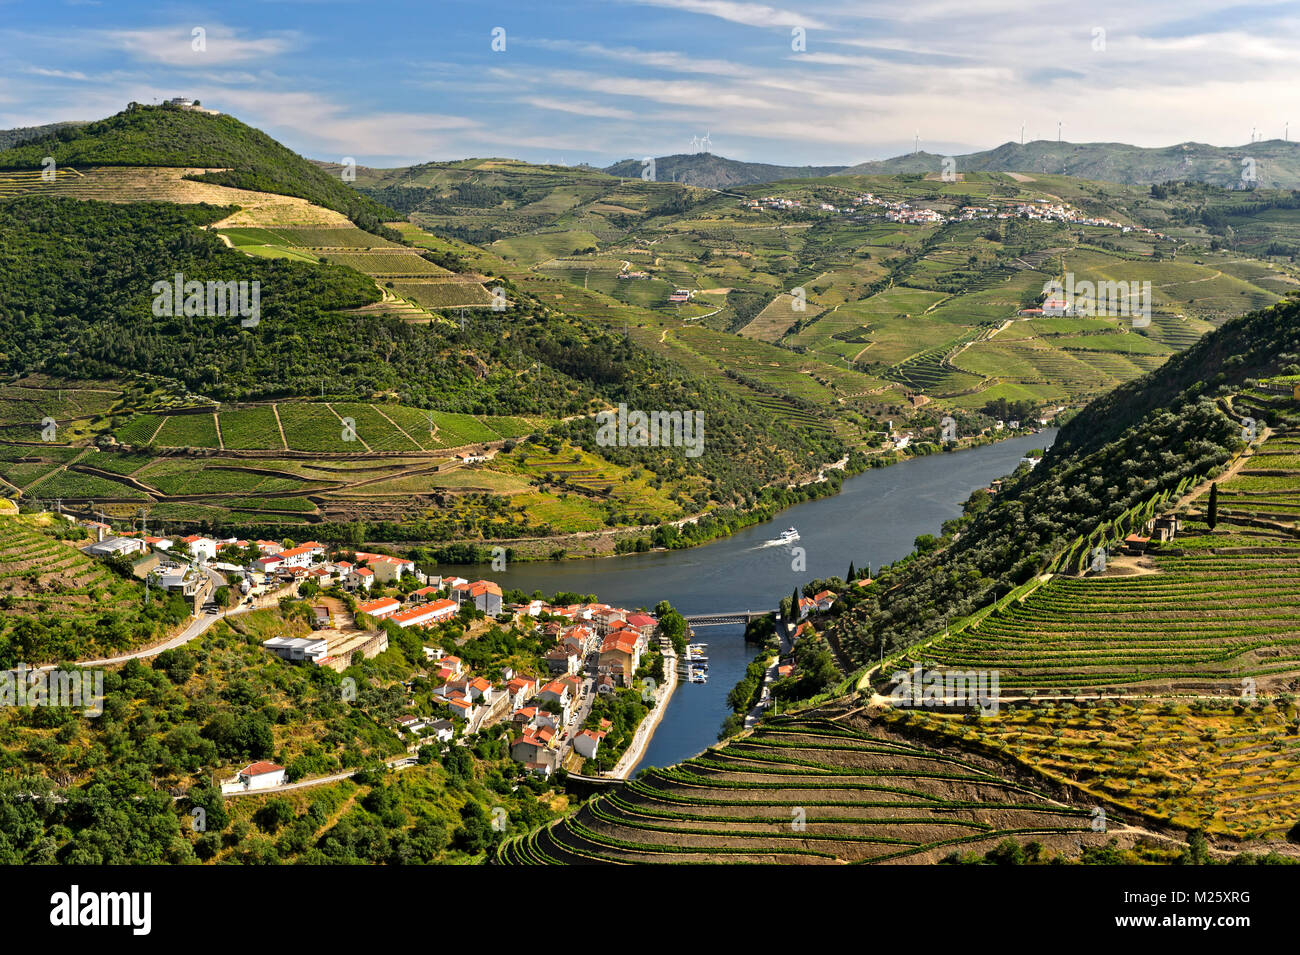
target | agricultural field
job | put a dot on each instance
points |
(323, 426)
(300, 462)
(1207, 613)
(830, 786)
(1229, 768)
(168, 184)
(912, 308)
(42, 570)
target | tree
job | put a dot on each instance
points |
(851, 577)
(1212, 511)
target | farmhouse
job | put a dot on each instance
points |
(824, 600)
(442, 730)
(255, 776)
(410, 723)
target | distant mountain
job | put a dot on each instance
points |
(716, 172)
(1275, 164)
(20, 134)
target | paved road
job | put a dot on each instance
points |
(196, 627)
(397, 762)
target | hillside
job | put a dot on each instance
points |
(236, 155)
(1274, 163)
(830, 786)
(350, 331)
(21, 134)
(1143, 439)
(904, 293)
(715, 172)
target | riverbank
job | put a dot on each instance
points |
(646, 731)
(700, 529)
(874, 519)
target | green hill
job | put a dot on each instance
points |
(715, 172)
(22, 134)
(1274, 164)
(170, 136)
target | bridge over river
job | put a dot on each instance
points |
(722, 619)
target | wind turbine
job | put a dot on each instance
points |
(706, 143)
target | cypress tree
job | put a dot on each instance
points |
(1212, 512)
(850, 578)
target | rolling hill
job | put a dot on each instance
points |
(715, 172)
(232, 153)
(1273, 164)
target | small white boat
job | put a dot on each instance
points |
(789, 535)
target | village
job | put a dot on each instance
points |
(359, 600)
(900, 211)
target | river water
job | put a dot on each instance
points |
(873, 520)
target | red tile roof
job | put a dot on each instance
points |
(260, 768)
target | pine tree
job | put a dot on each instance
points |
(1212, 512)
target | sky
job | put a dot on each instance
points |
(826, 83)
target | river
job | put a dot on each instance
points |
(873, 520)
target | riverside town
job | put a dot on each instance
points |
(661, 433)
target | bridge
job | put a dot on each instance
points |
(722, 619)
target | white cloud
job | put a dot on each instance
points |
(749, 14)
(58, 74)
(219, 45)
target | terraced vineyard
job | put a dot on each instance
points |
(828, 787)
(57, 603)
(1200, 614)
(342, 427)
(1226, 767)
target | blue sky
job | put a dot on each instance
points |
(391, 83)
